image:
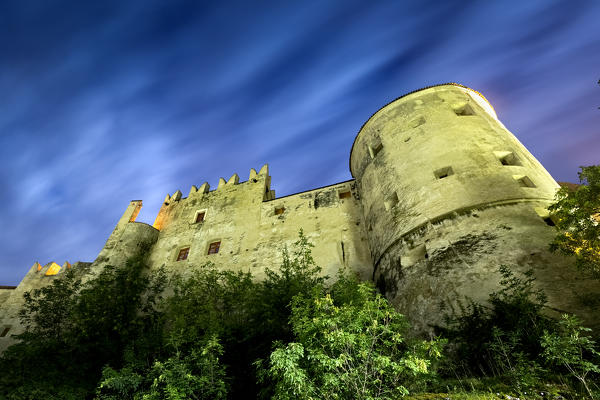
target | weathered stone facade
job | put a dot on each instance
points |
(442, 195)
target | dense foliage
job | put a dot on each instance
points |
(513, 340)
(130, 333)
(354, 349)
(75, 328)
(576, 214)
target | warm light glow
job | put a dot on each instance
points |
(53, 269)
(158, 222)
(39, 266)
(136, 211)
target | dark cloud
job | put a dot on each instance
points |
(104, 102)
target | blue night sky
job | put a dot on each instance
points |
(107, 101)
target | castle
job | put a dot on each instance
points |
(442, 194)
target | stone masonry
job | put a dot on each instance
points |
(442, 195)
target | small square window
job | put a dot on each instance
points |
(443, 172)
(375, 147)
(213, 248)
(549, 221)
(279, 210)
(345, 195)
(507, 158)
(200, 217)
(524, 181)
(464, 110)
(183, 254)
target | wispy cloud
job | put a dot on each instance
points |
(112, 101)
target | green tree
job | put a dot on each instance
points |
(47, 311)
(297, 275)
(576, 214)
(207, 302)
(570, 347)
(504, 337)
(356, 350)
(74, 329)
(199, 375)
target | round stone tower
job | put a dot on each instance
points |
(449, 195)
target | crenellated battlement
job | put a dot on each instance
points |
(233, 180)
(256, 180)
(442, 195)
(52, 269)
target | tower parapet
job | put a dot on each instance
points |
(443, 195)
(448, 195)
(129, 237)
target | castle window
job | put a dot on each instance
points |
(375, 148)
(279, 210)
(5, 331)
(443, 172)
(549, 221)
(183, 254)
(544, 214)
(391, 201)
(214, 247)
(200, 216)
(464, 110)
(507, 158)
(345, 195)
(524, 181)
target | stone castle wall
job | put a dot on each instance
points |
(253, 227)
(442, 195)
(448, 195)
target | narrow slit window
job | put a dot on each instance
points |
(345, 195)
(5, 331)
(200, 217)
(375, 148)
(391, 201)
(183, 254)
(443, 172)
(464, 110)
(214, 247)
(279, 210)
(524, 181)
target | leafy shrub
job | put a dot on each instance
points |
(73, 329)
(504, 338)
(357, 349)
(576, 214)
(570, 348)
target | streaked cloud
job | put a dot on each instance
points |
(112, 101)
